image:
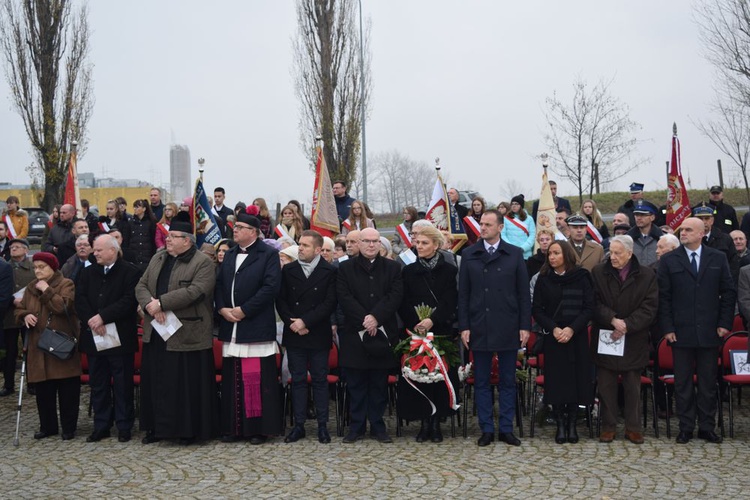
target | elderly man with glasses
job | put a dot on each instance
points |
(369, 291)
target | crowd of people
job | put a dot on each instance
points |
(276, 297)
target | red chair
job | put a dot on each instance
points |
(737, 341)
(738, 325)
(137, 363)
(494, 382)
(333, 380)
(218, 361)
(539, 382)
(664, 371)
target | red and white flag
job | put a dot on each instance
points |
(404, 234)
(443, 215)
(72, 193)
(346, 224)
(324, 218)
(678, 205)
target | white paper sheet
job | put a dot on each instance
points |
(170, 326)
(19, 293)
(109, 340)
(608, 346)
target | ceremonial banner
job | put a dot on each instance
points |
(324, 218)
(546, 214)
(204, 226)
(678, 205)
(72, 193)
(443, 215)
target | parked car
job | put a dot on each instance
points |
(38, 218)
(466, 197)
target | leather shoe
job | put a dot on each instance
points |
(323, 436)
(98, 435)
(67, 436)
(634, 437)
(124, 436)
(485, 439)
(6, 392)
(44, 434)
(383, 437)
(509, 438)
(296, 434)
(710, 436)
(257, 439)
(607, 437)
(150, 438)
(353, 437)
(683, 437)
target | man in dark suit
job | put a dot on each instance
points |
(105, 294)
(369, 290)
(305, 304)
(494, 315)
(696, 309)
(461, 210)
(219, 209)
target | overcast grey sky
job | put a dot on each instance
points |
(465, 81)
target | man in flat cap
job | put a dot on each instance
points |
(636, 193)
(645, 234)
(588, 253)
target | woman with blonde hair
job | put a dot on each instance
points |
(162, 227)
(290, 224)
(596, 230)
(357, 219)
(264, 216)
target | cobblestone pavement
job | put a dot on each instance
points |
(306, 469)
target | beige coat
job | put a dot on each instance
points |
(189, 296)
(592, 255)
(50, 304)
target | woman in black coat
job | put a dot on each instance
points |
(142, 243)
(563, 306)
(431, 281)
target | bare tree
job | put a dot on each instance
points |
(327, 81)
(725, 33)
(45, 47)
(730, 132)
(591, 137)
(512, 187)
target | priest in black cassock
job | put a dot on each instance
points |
(247, 284)
(178, 391)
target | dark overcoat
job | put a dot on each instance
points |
(362, 291)
(494, 300)
(433, 287)
(256, 284)
(635, 301)
(312, 299)
(566, 301)
(693, 307)
(112, 296)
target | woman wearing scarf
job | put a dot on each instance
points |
(290, 224)
(519, 228)
(162, 227)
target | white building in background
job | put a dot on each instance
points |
(180, 184)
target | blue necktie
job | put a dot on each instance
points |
(491, 250)
(694, 263)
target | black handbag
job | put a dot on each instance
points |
(56, 343)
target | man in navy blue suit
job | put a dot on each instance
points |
(494, 315)
(696, 309)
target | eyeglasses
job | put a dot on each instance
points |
(173, 236)
(370, 242)
(238, 227)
